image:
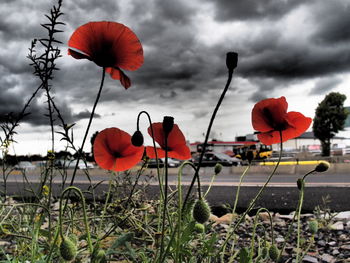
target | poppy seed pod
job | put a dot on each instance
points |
(168, 124)
(322, 167)
(137, 139)
(231, 60)
(201, 211)
(273, 252)
(68, 249)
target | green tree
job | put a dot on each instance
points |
(329, 119)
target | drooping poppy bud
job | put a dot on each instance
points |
(201, 211)
(322, 167)
(168, 124)
(68, 249)
(231, 60)
(273, 252)
(137, 139)
(218, 168)
(313, 226)
(199, 228)
(300, 183)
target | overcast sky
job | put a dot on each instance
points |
(298, 49)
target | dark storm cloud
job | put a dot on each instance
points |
(85, 115)
(325, 85)
(253, 10)
(179, 68)
(332, 19)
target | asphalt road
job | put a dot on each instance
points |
(282, 193)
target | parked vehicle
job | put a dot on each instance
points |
(212, 158)
(172, 163)
(24, 166)
(70, 164)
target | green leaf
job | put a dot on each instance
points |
(244, 256)
(120, 242)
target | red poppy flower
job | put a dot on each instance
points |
(270, 116)
(113, 150)
(110, 45)
(177, 147)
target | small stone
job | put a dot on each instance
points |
(4, 243)
(337, 226)
(343, 237)
(290, 217)
(343, 216)
(332, 243)
(310, 259)
(279, 240)
(321, 243)
(335, 252)
(345, 247)
(226, 219)
(264, 216)
(348, 225)
(327, 258)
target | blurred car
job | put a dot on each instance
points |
(212, 158)
(172, 163)
(24, 166)
(70, 164)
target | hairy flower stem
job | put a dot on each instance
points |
(252, 203)
(196, 174)
(165, 192)
(80, 151)
(61, 210)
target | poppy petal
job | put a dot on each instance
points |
(269, 113)
(158, 134)
(113, 150)
(176, 137)
(151, 153)
(181, 152)
(108, 44)
(118, 74)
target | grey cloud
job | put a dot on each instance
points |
(332, 19)
(325, 85)
(85, 115)
(252, 10)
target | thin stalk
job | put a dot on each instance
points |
(298, 220)
(196, 175)
(252, 203)
(88, 127)
(165, 193)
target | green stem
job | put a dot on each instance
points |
(77, 190)
(196, 175)
(165, 205)
(106, 202)
(80, 151)
(252, 203)
(298, 219)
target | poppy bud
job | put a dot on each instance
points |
(250, 156)
(273, 252)
(68, 250)
(199, 228)
(322, 166)
(168, 124)
(218, 168)
(74, 238)
(231, 60)
(201, 211)
(137, 139)
(300, 183)
(313, 226)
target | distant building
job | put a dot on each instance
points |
(305, 142)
